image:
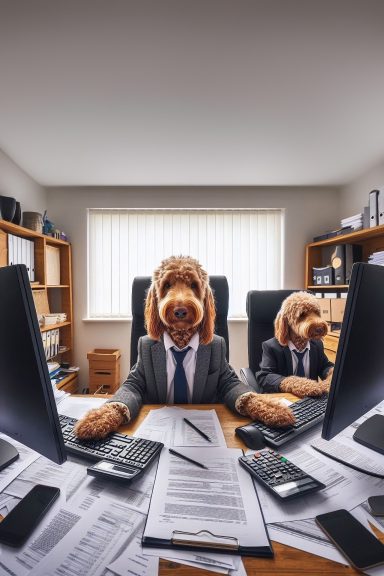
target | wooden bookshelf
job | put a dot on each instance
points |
(48, 298)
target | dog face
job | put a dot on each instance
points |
(180, 300)
(299, 315)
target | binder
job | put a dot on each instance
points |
(373, 215)
(212, 532)
(380, 206)
(11, 257)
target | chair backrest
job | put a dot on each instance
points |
(140, 286)
(262, 307)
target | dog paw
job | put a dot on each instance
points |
(269, 411)
(98, 423)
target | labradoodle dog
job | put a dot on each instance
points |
(180, 319)
(294, 360)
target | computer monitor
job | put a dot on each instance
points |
(358, 378)
(28, 411)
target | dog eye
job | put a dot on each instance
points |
(167, 286)
(193, 285)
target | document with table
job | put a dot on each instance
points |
(211, 508)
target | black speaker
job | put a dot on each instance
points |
(338, 263)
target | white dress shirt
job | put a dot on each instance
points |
(306, 360)
(189, 364)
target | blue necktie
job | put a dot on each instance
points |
(300, 366)
(180, 385)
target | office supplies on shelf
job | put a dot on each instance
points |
(206, 516)
(283, 478)
(308, 412)
(189, 423)
(183, 457)
(117, 448)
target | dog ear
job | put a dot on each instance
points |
(281, 329)
(152, 320)
(207, 326)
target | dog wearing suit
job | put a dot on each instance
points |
(180, 319)
(294, 360)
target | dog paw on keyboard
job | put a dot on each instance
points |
(100, 422)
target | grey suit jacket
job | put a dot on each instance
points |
(276, 364)
(215, 380)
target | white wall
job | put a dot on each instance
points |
(16, 183)
(309, 211)
(355, 195)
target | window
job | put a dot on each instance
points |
(243, 245)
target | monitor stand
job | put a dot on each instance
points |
(8, 454)
(371, 433)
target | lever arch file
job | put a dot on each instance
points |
(214, 509)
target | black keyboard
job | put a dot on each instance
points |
(283, 478)
(133, 453)
(308, 412)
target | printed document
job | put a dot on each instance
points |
(167, 425)
(221, 498)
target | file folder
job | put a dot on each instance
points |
(373, 207)
(380, 206)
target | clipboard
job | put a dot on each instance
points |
(207, 540)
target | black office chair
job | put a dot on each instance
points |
(140, 285)
(262, 307)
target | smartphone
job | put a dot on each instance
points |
(376, 504)
(358, 544)
(21, 521)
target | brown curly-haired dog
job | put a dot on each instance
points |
(297, 323)
(180, 307)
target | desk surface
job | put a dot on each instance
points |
(288, 561)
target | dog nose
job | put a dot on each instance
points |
(180, 312)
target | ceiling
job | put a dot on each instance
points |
(192, 92)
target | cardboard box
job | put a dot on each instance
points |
(104, 370)
(337, 309)
(325, 308)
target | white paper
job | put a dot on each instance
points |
(67, 477)
(94, 542)
(26, 457)
(166, 425)
(134, 562)
(77, 407)
(305, 535)
(342, 490)
(220, 499)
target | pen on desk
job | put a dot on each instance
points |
(186, 458)
(197, 429)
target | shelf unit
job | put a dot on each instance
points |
(370, 240)
(54, 298)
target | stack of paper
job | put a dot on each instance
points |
(377, 258)
(356, 222)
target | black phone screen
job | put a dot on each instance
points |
(353, 540)
(20, 522)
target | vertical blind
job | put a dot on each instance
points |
(243, 245)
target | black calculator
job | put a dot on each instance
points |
(283, 478)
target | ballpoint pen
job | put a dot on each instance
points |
(187, 459)
(197, 429)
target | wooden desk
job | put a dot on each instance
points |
(287, 561)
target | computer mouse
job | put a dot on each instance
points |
(251, 436)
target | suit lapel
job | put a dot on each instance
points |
(288, 359)
(159, 362)
(202, 366)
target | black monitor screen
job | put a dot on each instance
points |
(358, 378)
(27, 406)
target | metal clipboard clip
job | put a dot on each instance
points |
(204, 538)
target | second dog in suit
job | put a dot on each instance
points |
(294, 360)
